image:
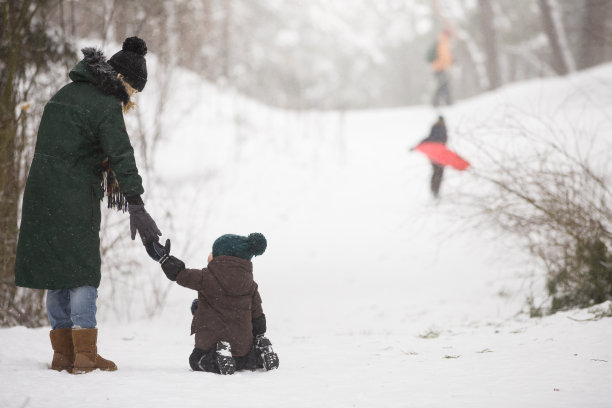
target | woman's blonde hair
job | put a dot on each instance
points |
(130, 91)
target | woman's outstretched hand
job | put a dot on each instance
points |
(141, 221)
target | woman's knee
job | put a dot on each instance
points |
(83, 306)
(58, 309)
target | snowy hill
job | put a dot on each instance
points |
(375, 295)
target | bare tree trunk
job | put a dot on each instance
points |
(226, 41)
(26, 50)
(109, 12)
(207, 23)
(13, 19)
(593, 32)
(475, 57)
(16, 19)
(563, 62)
(487, 18)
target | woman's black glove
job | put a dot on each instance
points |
(141, 221)
(194, 306)
(172, 266)
(157, 252)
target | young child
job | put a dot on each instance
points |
(228, 320)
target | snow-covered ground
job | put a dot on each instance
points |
(375, 295)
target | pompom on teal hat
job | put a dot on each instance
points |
(240, 247)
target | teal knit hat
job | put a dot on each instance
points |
(239, 246)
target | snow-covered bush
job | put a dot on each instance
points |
(549, 187)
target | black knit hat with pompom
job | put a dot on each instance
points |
(130, 62)
(239, 246)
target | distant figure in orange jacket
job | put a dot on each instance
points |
(440, 66)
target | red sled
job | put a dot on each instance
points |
(439, 154)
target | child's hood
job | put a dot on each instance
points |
(234, 275)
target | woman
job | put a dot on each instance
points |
(82, 148)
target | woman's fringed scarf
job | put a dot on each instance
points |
(114, 197)
(110, 184)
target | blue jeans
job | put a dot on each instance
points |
(442, 90)
(72, 307)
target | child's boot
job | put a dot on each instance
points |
(223, 356)
(86, 357)
(267, 357)
(63, 353)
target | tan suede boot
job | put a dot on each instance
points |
(86, 357)
(63, 354)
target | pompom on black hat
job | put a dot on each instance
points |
(130, 62)
(241, 247)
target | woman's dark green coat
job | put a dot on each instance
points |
(82, 125)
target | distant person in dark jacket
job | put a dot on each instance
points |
(436, 135)
(82, 147)
(228, 320)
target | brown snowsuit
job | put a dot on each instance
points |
(228, 301)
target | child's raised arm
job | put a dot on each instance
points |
(171, 265)
(191, 278)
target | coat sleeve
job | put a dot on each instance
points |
(191, 278)
(116, 144)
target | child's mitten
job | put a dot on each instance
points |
(172, 266)
(259, 325)
(157, 252)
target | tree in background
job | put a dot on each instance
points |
(489, 35)
(593, 25)
(535, 39)
(295, 55)
(354, 53)
(30, 46)
(562, 58)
